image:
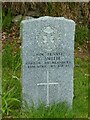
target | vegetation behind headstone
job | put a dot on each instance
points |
(77, 11)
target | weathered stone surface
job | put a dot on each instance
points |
(47, 60)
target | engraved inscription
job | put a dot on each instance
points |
(53, 60)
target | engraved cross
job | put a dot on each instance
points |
(47, 84)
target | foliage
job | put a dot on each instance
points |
(11, 83)
(79, 12)
(59, 110)
(81, 34)
(11, 93)
(6, 19)
(80, 105)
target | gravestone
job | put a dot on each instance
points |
(47, 60)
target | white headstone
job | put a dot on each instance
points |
(47, 60)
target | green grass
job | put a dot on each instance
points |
(80, 106)
(53, 111)
(11, 90)
(11, 85)
(11, 80)
(81, 35)
(6, 19)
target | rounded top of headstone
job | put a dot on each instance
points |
(48, 18)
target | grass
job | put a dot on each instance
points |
(11, 90)
(6, 19)
(53, 111)
(81, 34)
(80, 106)
(11, 82)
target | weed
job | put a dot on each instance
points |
(11, 93)
(81, 34)
(11, 87)
(6, 19)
